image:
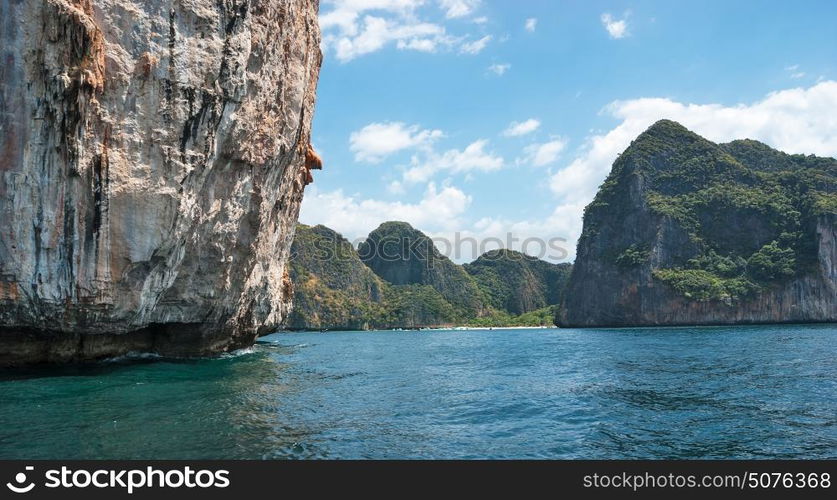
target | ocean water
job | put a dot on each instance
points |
(726, 392)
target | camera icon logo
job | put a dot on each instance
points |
(20, 479)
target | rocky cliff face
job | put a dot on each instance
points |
(402, 255)
(154, 155)
(518, 283)
(333, 289)
(687, 232)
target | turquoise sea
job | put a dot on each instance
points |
(725, 392)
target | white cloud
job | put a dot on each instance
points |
(615, 28)
(473, 158)
(376, 141)
(376, 32)
(499, 69)
(396, 187)
(353, 28)
(345, 13)
(459, 8)
(797, 120)
(418, 44)
(354, 217)
(476, 46)
(551, 237)
(531, 24)
(794, 71)
(543, 154)
(480, 20)
(516, 129)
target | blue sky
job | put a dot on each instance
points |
(489, 118)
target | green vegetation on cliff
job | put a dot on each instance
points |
(402, 255)
(698, 284)
(332, 287)
(722, 222)
(544, 316)
(518, 283)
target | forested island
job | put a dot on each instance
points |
(398, 279)
(688, 232)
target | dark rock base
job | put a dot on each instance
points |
(29, 346)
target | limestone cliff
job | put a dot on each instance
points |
(518, 283)
(688, 232)
(154, 155)
(403, 255)
(333, 289)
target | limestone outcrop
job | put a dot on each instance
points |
(153, 157)
(688, 232)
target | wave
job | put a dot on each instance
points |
(133, 356)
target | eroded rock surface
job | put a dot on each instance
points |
(154, 156)
(688, 232)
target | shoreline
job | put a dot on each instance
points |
(554, 327)
(409, 329)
